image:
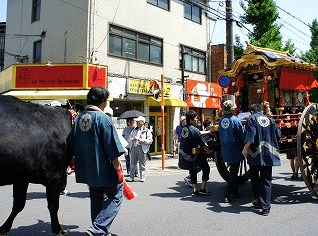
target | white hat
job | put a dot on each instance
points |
(108, 111)
(182, 118)
(140, 118)
(56, 104)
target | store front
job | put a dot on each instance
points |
(52, 81)
(141, 94)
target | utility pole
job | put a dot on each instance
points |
(162, 103)
(182, 73)
(229, 32)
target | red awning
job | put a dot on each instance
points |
(297, 79)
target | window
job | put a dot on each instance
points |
(194, 60)
(134, 45)
(37, 51)
(192, 12)
(36, 10)
(164, 4)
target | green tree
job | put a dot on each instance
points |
(311, 56)
(262, 15)
(238, 46)
(289, 47)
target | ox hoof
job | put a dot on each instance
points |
(61, 233)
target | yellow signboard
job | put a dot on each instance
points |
(147, 87)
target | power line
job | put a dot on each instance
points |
(293, 16)
(107, 29)
(294, 28)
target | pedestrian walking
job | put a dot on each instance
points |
(262, 153)
(126, 133)
(97, 148)
(141, 138)
(231, 134)
(147, 125)
(190, 157)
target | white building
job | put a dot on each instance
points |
(138, 40)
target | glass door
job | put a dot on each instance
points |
(155, 123)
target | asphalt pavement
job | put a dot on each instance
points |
(164, 206)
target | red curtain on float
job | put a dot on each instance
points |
(297, 79)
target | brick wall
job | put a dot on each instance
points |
(218, 60)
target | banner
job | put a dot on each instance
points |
(147, 87)
(62, 76)
(203, 94)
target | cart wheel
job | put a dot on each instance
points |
(223, 169)
(307, 147)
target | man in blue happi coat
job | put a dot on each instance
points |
(262, 153)
(231, 134)
(190, 156)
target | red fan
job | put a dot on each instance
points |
(128, 191)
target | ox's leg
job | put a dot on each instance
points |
(53, 197)
(19, 198)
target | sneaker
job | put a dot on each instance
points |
(227, 200)
(294, 176)
(142, 180)
(90, 233)
(187, 180)
(265, 212)
(130, 180)
(195, 193)
(255, 204)
(65, 192)
(205, 191)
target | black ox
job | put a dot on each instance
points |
(33, 149)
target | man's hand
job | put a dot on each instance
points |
(120, 174)
(245, 152)
(246, 149)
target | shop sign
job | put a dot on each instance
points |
(97, 76)
(59, 76)
(203, 94)
(146, 87)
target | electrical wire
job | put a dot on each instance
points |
(107, 29)
(293, 16)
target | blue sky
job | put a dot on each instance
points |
(3, 10)
(299, 33)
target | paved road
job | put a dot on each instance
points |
(164, 207)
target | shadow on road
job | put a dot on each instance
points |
(42, 228)
(41, 195)
(287, 193)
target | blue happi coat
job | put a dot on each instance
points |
(232, 137)
(190, 138)
(95, 143)
(264, 135)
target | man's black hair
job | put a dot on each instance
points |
(97, 95)
(190, 116)
(256, 108)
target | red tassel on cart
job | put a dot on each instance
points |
(128, 191)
